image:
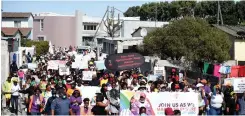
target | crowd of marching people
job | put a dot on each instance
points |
(47, 92)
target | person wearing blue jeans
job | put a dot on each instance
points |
(14, 104)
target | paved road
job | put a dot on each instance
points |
(7, 111)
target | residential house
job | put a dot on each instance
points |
(237, 36)
(20, 20)
(12, 36)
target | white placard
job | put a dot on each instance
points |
(87, 75)
(63, 70)
(32, 66)
(239, 85)
(159, 71)
(53, 64)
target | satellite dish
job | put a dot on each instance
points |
(143, 32)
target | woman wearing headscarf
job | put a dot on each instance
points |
(114, 97)
(216, 101)
(76, 101)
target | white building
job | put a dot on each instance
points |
(126, 40)
(23, 21)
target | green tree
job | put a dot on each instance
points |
(42, 47)
(190, 38)
(132, 11)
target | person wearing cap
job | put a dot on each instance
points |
(231, 105)
(61, 105)
(142, 102)
(201, 96)
(169, 111)
(68, 83)
(6, 88)
(14, 96)
(93, 100)
(47, 109)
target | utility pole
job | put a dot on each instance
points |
(219, 15)
(156, 16)
(94, 38)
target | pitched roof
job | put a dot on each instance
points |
(9, 31)
(25, 31)
(232, 30)
(16, 14)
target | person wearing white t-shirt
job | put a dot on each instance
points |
(14, 96)
(216, 101)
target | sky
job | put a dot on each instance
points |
(91, 8)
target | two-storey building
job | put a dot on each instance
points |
(16, 26)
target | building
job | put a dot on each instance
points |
(20, 20)
(237, 36)
(60, 30)
(130, 35)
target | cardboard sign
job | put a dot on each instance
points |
(100, 65)
(63, 70)
(32, 66)
(53, 64)
(118, 62)
(87, 75)
(153, 77)
(159, 71)
(239, 85)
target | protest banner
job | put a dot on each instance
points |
(100, 65)
(87, 75)
(53, 64)
(239, 85)
(32, 66)
(88, 92)
(186, 102)
(124, 61)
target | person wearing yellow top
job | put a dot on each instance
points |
(6, 90)
(70, 91)
(104, 80)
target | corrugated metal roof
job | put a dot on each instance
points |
(232, 30)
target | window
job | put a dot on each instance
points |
(41, 24)
(40, 38)
(17, 24)
(89, 27)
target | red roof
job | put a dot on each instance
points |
(25, 31)
(11, 31)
